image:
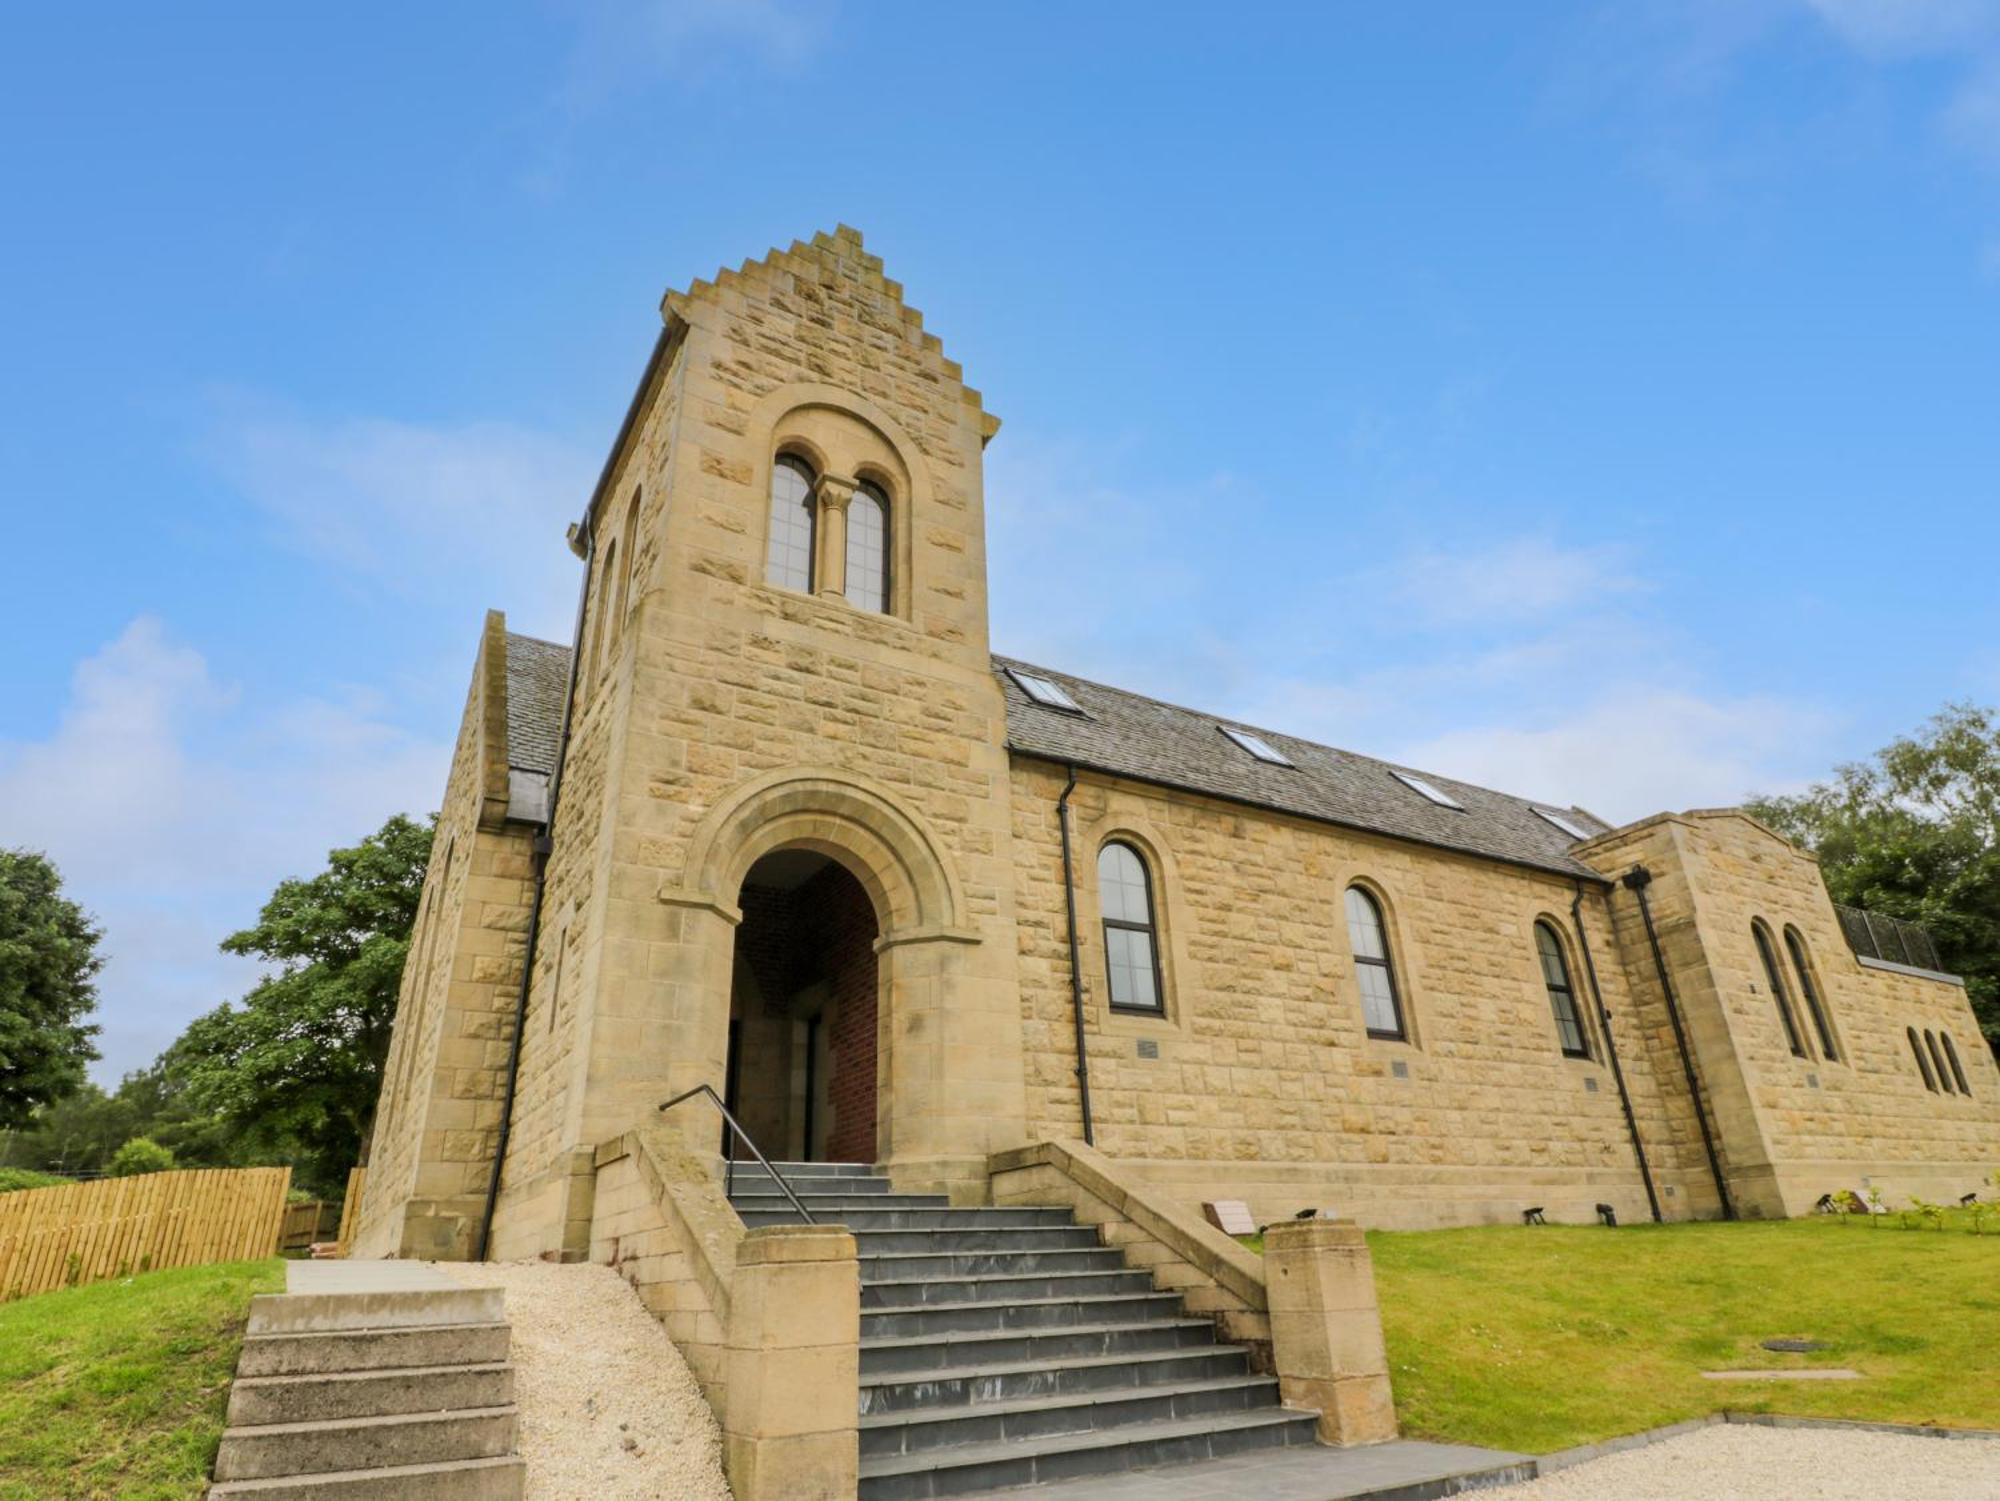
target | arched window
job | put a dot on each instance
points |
(600, 607)
(1381, 1005)
(1778, 991)
(1937, 1059)
(1957, 1071)
(1923, 1063)
(788, 558)
(1807, 988)
(1131, 945)
(1562, 995)
(868, 549)
(626, 549)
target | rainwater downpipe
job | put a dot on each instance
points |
(1636, 881)
(1075, 964)
(1611, 1052)
(585, 548)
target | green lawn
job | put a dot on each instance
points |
(1539, 1338)
(118, 1389)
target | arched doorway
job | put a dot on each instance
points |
(802, 1071)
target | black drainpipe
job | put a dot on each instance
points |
(1611, 1052)
(544, 844)
(1075, 964)
(1636, 881)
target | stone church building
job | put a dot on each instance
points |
(781, 822)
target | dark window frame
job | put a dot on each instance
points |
(1795, 945)
(800, 465)
(1779, 992)
(1562, 994)
(1151, 928)
(1387, 964)
(1957, 1069)
(1923, 1063)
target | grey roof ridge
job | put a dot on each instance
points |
(1430, 776)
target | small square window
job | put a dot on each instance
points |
(1257, 745)
(1424, 789)
(1044, 691)
(1568, 825)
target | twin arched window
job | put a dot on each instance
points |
(1779, 993)
(1374, 971)
(791, 554)
(1562, 994)
(1131, 938)
(1796, 946)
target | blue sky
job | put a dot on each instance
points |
(1598, 401)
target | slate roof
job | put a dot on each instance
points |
(1129, 735)
(537, 676)
(1142, 738)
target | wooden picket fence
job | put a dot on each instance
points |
(84, 1232)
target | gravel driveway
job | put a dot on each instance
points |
(609, 1409)
(1741, 1462)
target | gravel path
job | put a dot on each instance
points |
(609, 1409)
(1740, 1462)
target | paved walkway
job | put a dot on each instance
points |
(1309, 1474)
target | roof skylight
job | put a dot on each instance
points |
(1257, 745)
(1568, 825)
(1044, 691)
(1424, 789)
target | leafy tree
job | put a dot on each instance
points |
(48, 957)
(295, 1067)
(1914, 832)
(141, 1155)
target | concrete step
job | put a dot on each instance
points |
(313, 1312)
(373, 1349)
(918, 1291)
(500, 1479)
(957, 1265)
(977, 1385)
(936, 1239)
(897, 1356)
(912, 1432)
(309, 1448)
(874, 1218)
(258, 1400)
(1013, 1311)
(994, 1464)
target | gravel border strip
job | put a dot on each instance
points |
(1562, 1459)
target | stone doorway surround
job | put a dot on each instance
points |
(948, 1052)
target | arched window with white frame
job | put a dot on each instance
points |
(868, 549)
(788, 554)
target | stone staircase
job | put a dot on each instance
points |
(372, 1380)
(1007, 1347)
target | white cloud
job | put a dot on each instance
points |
(1515, 579)
(172, 810)
(1906, 28)
(621, 45)
(466, 514)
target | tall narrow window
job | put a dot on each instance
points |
(1778, 992)
(1807, 988)
(627, 546)
(1957, 1069)
(1937, 1060)
(1923, 1063)
(1131, 945)
(868, 550)
(1381, 1005)
(1562, 995)
(788, 558)
(600, 608)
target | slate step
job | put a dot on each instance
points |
(1011, 1462)
(927, 1289)
(903, 1266)
(824, 1204)
(307, 1448)
(911, 1432)
(972, 1314)
(908, 1354)
(373, 1349)
(750, 1166)
(1002, 1239)
(259, 1400)
(873, 1218)
(499, 1479)
(973, 1386)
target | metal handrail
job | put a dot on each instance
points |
(729, 1158)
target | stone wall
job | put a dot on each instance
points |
(1261, 1082)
